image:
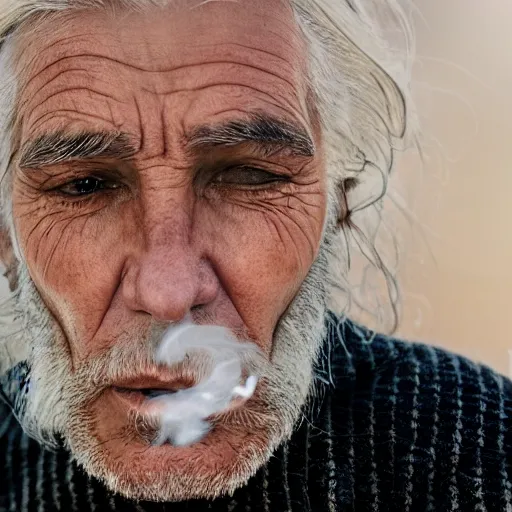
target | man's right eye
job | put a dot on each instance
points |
(85, 186)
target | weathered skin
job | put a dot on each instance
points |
(167, 235)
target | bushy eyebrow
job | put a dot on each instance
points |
(269, 133)
(266, 133)
(58, 147)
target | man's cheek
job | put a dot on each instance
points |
(71, 264)
(280, 240)
(49, 244)
(55, 251)
(261, 265)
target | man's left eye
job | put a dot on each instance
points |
(247, 176)
(85, 186)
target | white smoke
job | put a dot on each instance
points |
(183, 414)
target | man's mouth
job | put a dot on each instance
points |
(147, 392)
(138, 389)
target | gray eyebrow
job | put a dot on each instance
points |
(270, 133)
(58, 147)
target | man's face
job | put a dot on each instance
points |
(208, 197)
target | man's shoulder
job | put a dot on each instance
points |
(417, 394)
(413, 366)
(9, 426)
(430, 429)
(11, 435)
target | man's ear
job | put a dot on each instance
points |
(8, 259)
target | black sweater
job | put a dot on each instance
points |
(400, 427)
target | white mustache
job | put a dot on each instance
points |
(183, 415)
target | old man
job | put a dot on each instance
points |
(179, 182)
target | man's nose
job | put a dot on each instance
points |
(169, 278)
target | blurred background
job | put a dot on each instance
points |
(456, 239)
(456, 268)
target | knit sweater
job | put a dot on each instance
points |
(399, 426)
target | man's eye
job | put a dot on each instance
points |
(247, 176)
(84, 186)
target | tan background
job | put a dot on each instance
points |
(457, 279)
(456, 270)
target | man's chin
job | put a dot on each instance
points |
(105, 440)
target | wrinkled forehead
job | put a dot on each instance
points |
(269, 23)
(177, 39)
(159, 38)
